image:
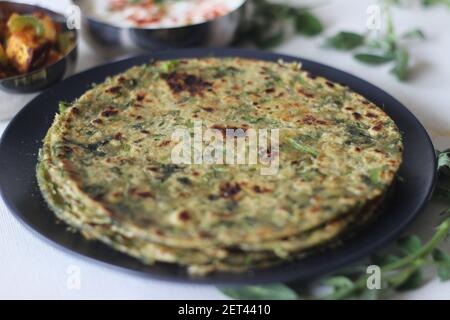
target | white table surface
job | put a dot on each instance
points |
(31, 268)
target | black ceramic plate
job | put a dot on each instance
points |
(22, 140)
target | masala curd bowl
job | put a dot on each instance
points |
(112, 35)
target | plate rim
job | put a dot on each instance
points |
(227, 279)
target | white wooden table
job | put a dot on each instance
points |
(31, 268)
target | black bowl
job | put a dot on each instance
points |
(108, 38)
(44, 77)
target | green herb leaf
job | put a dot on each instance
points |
(345, 40)
(169, 65)
(267, 22)
(268, 292)
(409, 244)
(302, 148)
(442, 262)
(307, 24)
(429, 3)
(444, 162)
(370, 294)
(339, 286)
(374, 175)
(338, 282)
(414, 34)
(62, 106)
(413, 281)
(383, 259)
(390, 37)
(401, 64)
(373, 59)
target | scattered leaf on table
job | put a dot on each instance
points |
(410, 244)
(442, 262)
(414, 34)
(345, 40)
(307, 24)
(373, 58)
(268, 292)
(401, 64)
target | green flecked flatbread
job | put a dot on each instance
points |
(107, 162)
(200, 260)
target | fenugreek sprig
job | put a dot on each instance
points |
(380, 47)
(267, 23)
(401, 270)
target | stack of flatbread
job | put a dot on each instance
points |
(107, 169)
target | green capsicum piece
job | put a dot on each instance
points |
(20, 22)
(65, 42)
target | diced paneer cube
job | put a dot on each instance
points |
(8, 23)
(25, 50)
